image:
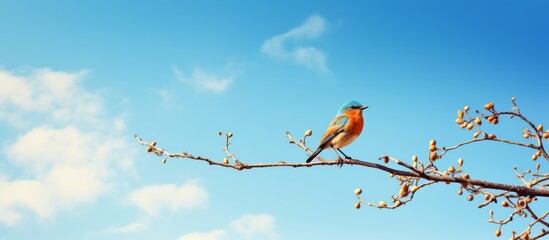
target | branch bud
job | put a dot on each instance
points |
(382, 204)
(478, 121)
(470, 126)
(414, 189)
(489, 106)
(476, 134)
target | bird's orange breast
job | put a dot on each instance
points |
(351, 131)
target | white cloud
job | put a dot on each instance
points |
(130, 228)
(204, 81)
(248, 226)
(307, 56)
(255, 226)
(211, 235)
(66, 149)
(154, 198)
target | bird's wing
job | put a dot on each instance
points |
(339, 120)
(335, 128)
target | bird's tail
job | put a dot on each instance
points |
(318, 150)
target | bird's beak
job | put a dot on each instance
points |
(363, 107)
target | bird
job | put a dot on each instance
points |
(343, 130)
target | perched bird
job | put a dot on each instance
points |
(343, 130)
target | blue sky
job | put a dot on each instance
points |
(78, 79)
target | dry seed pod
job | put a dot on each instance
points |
(489, 106)
(460, 162)
(433, 142)
(382, 204)
(432, 148)
(470, 198)
(466, 108)
(540, 128)
(149, 149)
(226, 160)
(504, 204)
(459, 120)
(358, 191)
(153, 143)
(460, 191)
(491, 136)
(534, 157)
(460, 114)
(414, 158)
(498, 233)
(357, 205)
(451, 169)
(463, 125)
(308, 133)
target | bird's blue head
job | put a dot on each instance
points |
(351, 105)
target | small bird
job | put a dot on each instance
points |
(343, 130)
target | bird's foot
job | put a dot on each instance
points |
(340, 162)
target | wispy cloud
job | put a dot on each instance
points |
(205, 81)
(307, 56)
(152, 199)
(211, 235)
(130, 228)
(64, 147)
(248, 226)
